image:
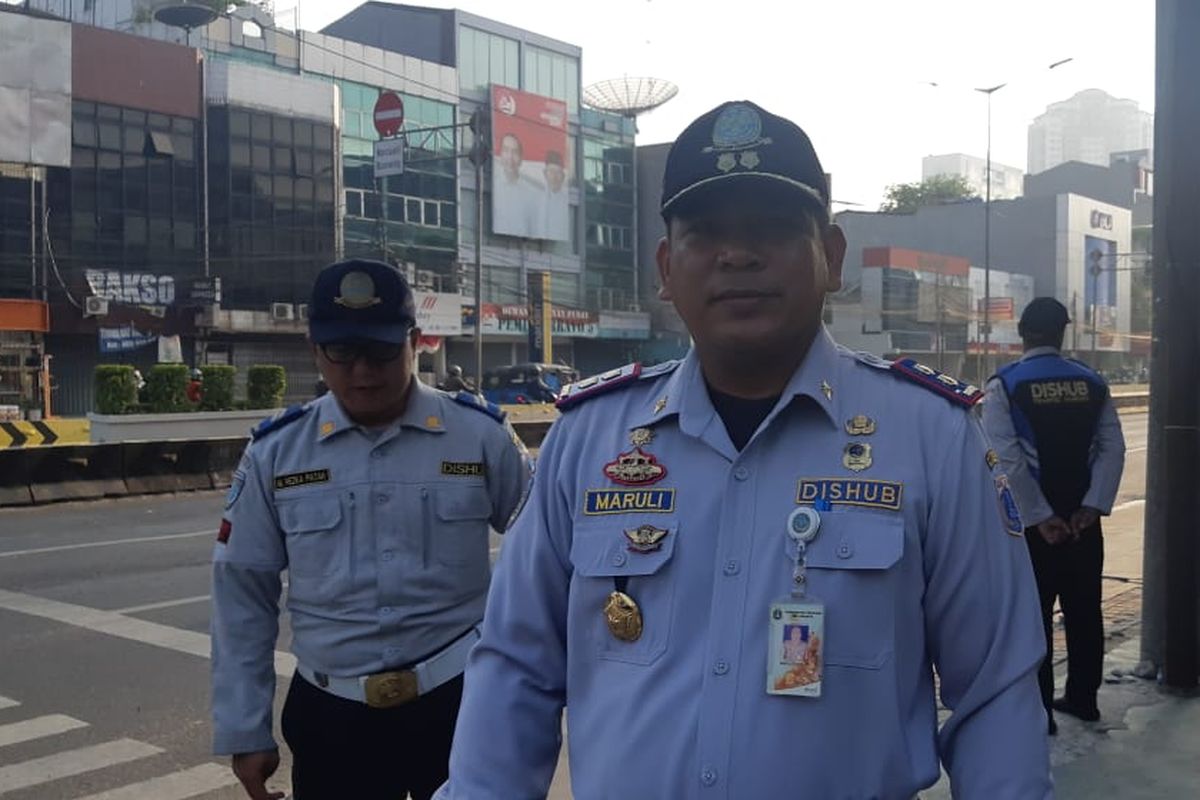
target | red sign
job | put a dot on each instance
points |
(389, 114)
(530, 165)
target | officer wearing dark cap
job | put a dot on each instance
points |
(377, 499)
(738, 571)
(1053, 424)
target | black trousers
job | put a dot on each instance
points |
(1071, 573)
(343, 749)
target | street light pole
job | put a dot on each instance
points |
(987, 239)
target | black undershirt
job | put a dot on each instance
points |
(740, 415)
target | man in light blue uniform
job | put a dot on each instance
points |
(377, 498)
(688, 519)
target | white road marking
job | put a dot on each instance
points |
(114, 624)
(1129, 504)
(30, 729)
(107, 543)
(8, 702)
(72, 762)
(176, 786)
(182, 601)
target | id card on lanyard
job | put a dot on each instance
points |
(796, 632)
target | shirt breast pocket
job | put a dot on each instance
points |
(852, 571)
(317, 540)
(601, 557)
(460, 537)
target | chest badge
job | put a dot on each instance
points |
(623, 617)
(641, 436)
(645, 538)
(860, 425)
(857, 456)
(635, 468)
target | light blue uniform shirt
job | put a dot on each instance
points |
(384, 536)
(927, 579)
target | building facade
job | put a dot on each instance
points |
(1007, 182)
(226, 165)
(1089, 127)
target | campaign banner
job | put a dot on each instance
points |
(124, 339)
(513, 320)
(530, 164)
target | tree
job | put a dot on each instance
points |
(906, 198)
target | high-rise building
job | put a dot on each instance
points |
(1088, 127)
(1006, 180)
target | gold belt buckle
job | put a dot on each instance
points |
(390, 689)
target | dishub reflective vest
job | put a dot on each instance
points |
(1055, 404)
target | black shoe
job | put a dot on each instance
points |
(1085, 713)
(1053, 727)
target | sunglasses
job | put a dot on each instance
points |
(373, 352)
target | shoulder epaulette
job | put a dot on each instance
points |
(472, 400)
(597, 385)
(951, 388)
(284, 417)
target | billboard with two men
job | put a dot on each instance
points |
(529, 166)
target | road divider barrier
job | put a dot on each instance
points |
(46, 474)
(36, 433)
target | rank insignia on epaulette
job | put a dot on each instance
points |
(597, 384)
(947, 386)
(635, 468)
(645, 538)
(991, 458)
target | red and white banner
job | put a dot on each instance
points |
(438, 313)
(530, 165)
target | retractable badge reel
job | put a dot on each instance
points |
(797, 626)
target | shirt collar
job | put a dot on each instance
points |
(1034, 352)
(685, 394)
(424, 411)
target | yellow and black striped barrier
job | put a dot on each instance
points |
(36, 433)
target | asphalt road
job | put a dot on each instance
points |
(104, 614)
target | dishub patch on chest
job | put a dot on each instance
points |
(885, 495)
(295, 479)
(463, 469)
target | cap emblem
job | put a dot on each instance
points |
(726, 162)
(357, 291)
(736, 127)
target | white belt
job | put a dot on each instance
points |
(396, 687)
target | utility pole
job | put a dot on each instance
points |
(479, 153)
(1170, 614)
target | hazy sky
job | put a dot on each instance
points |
(852, 73)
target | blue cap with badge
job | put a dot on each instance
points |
(741, 142)
(358, 299)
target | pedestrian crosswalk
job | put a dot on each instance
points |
(17, 775)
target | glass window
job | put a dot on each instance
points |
(323, 138)
(239, 123)
(184, 126)
(110, 136)
(239, 153)
(159, 122)
(108, 112)
(371, 205)
(512, 64)
(260, 157)
(304, 133)
(496, 58)
(304, 190)
(413, 210)
(395, 209)
(448, 215)
(84, 133)
(281, 160)
(481, 60)
(282, 130)
(431, 214)
(260, 127)
(184, 147)
(304, 162)
(350, 123)
(242, 181)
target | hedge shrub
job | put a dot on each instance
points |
(218, 387)
(265, 385)
(166, 388)
(116, 388)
